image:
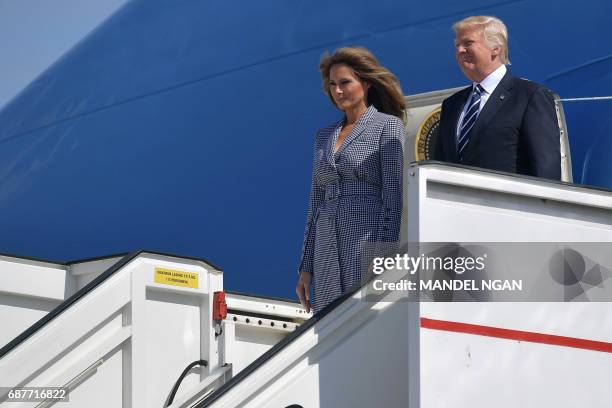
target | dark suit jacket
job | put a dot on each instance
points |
(516, 131)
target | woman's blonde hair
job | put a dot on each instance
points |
(384, 93)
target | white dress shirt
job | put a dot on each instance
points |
(488, 84)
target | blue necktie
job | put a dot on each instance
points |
(469, 119)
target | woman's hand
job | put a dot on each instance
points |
(303, 289)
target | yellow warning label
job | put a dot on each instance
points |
(176, 278)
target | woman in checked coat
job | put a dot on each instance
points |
(356, 192)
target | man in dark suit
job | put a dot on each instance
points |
(500, 122)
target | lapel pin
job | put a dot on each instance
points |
(501, 97)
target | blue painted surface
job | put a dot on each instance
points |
(35, 33)
(187, 126)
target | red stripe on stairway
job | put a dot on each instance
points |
(516, 335)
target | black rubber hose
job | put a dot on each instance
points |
(182, 376)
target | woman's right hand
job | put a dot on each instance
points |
(303, 289)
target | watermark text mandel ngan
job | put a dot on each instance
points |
(449, 265)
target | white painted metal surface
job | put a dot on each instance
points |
(458, 369)
(28, 291)
(348, 358)
(125, 342)
(129, 338)
(452, 204)
(463, 370)
(254, 325)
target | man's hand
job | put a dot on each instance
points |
(303, 289)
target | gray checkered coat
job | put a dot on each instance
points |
(355, 197)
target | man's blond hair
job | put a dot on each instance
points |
(494, 30)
